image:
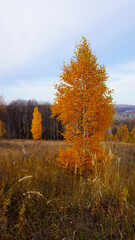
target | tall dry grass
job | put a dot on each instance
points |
(38, 200)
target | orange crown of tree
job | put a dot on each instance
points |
(83, 103)
(2, 108)
(2, 130)
(36, 127)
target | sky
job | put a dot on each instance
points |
(38, 36)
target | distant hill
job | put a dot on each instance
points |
(124, 111)
(124, 107)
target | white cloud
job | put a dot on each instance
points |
(31, 27)
(40, 89)
(122, 80)
(126, 67)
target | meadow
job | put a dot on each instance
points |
(39, 200)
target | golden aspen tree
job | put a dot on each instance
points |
(2, 108)
(119, 135)
(83, 103)
(116, 139)
(2, 130)
(132, 135)
(125, 133)
(36, 127)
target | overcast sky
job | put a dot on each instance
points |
(37, 36)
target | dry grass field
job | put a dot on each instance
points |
(38, 200)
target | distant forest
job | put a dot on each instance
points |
(17, 119)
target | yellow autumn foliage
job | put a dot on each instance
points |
(36, 127)
(83, 103)
(2, 130)
(132, 135)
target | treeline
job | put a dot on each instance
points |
(17, 118)
(122, 131)
(16, 121)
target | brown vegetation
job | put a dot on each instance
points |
(38, 200)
